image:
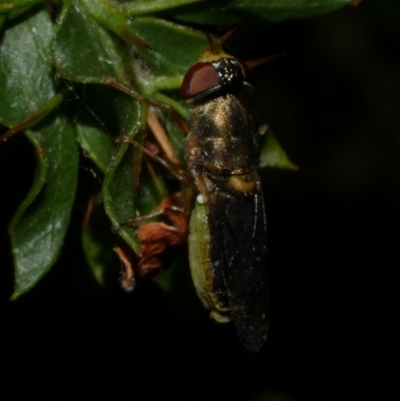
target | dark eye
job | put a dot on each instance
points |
(201, 78)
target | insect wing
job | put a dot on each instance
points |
(238, 229)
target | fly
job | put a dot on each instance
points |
(227, 240)
(227, 235)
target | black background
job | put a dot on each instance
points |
(333, 101)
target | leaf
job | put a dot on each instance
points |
(208, 13)
(96, 135)
(97, 242)
(97, 144)
(83, 50)
(149, 192)
(118, 184)
(118, 194)
(272, 154)
(3, 18)
(218, 12)
(120, 115)
(176, 48)
(118, 17)
(16, 5)
(166, 63)
(39, 226)
(26, 72)
(133, 8)
(38, 115)
(279, 10)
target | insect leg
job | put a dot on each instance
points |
(165, 211)
(181, 175)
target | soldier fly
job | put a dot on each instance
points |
(227, 240)
(227, 235)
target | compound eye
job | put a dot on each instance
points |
(201, 77)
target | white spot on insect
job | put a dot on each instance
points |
(200, 199)
(262, 130)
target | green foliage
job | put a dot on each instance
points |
(44, 62)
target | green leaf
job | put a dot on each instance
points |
(97, 242)
(39, 226)
(26, 72)
(279, 10)
(118, 187)
(218, 12)
(3, 18)
(272, 154)
(149, 193)
(92, 43)
(96, 135)
(208, 13)
(118, 17)
(15, 5)
(83, 50)
(120, 115)
(166, 37)
(118, 194)
(38, 115)
(134, 8)
(97, 144)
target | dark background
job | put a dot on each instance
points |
(333, 102)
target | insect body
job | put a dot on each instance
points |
(227, 242)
